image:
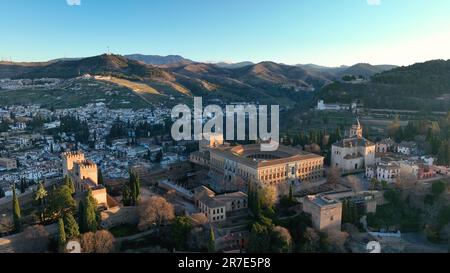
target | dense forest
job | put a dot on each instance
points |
(424, 86)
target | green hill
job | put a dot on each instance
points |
(419, 86)
(107, 65)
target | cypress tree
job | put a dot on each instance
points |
(250, 195)
(355, 216)
(22, 186)
(100, 177)
(16, 211)
(132, 187)
(137, 185)
(257, 201)
(211, 241)
(291, 193)
(319, 138)
(350, 214)
(61, 232)
(345, 212)
(81, 217)
(126, 196)
(90, 213)
(93, 201)
(70, 226)
(69, 183)
(338, 134)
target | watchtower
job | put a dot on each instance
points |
(69, 158)
(85, 170)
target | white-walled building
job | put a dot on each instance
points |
(385, 171)
(354, 153)
(407, 148)
(409, 169)
(325, 211)
(216, 207)
(385, 145)
(322, 106)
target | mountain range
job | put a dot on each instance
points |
(158, 60)
(177, 76)
(264, 82)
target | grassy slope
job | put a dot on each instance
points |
(78, 93)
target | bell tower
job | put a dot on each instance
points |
(356, 130)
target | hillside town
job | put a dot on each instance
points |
(216, 195)
(32, 154)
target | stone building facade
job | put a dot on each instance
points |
(354, 153)
(240, 165)
(84, 176)
(216, 207)
(326, 212)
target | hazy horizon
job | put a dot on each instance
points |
(215, 61)
(326, 33)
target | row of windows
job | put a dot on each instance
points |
(239, 202)
(303, 178)
(315, 171)
(386, 177)
(215, 211)
(205, 209)
(303, 166)
(218, 218)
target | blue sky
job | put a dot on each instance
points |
(326, 32)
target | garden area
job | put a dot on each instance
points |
(415, 211)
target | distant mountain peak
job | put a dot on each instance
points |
(231, 65)
(157, 59)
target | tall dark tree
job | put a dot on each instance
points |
(355, 215)
(126, 196)
(444, 153)
(71, 227)
(100, 177)
(81, 217)
(16, 211)
(302, 139)
(61, 202)
(291, 193)
(337, 134)
(137, 186)
(180, 231)
(260, 236)
(257, 206)
(23, 186)
(69, 183)
(132, 187)
(158, 156)
(211, 241)
(90, 220)
(131, 195)
(40, 197)
(61, 233)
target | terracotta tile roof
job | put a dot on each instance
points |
(354, 142)
(243, 154)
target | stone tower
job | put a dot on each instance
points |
(356, 130)
(86, 170)
(68, 159)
